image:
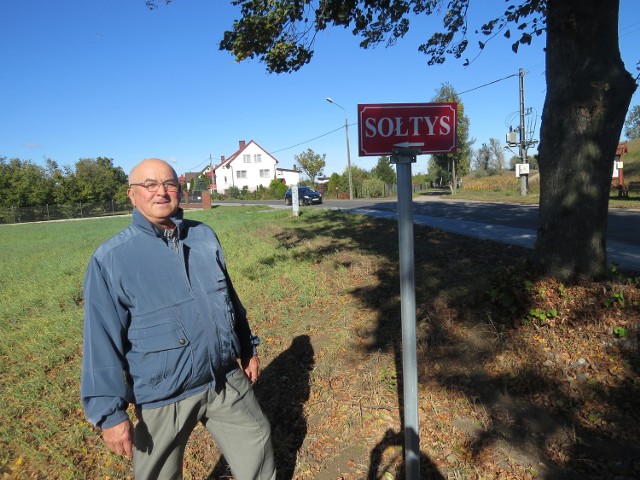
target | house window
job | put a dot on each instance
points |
(257, 158)
(241, 174)
(265, 173)
(246, 158)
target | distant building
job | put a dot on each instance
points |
(249, 167)
(288, 176)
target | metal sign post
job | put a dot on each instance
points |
(403, 158)
(406, 130)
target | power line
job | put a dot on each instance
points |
(624, 31)
(341, 127)
(487, 84)
(285, 148)
(193, 169)
(305, 141)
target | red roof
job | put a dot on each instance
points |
(236, 154)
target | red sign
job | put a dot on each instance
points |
(429, 127)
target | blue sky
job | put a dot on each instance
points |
(89, 78)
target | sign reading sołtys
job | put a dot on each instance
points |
(429, 127)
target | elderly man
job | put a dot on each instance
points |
(165, 331)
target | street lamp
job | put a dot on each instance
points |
(346, 129)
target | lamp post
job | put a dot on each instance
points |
(346, 129)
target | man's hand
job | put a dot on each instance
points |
(119, 438)
(252, 368)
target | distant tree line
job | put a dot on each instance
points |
(490, 159)
(374, 183)
(632, 123)
(92, 180)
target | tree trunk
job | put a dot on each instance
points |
(588, 94)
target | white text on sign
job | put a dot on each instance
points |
(406, 127)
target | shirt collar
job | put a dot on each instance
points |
(146, 226)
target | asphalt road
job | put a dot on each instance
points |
(623, 224)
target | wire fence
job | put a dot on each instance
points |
(43, 213)
(384, 190)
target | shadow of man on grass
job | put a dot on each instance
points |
(282, 390)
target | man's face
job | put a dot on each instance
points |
(156, 206)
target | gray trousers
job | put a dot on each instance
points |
(232, 417)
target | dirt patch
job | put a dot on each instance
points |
(520, 377)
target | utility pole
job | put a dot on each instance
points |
(524, 178)
(349, 175)
(211, 172)
(346, 130)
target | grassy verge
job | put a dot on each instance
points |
(520, 378)
(530, 199)
(506, 188)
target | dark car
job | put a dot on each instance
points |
(306, 196)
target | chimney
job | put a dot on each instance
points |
(242, 144)
(221, 158)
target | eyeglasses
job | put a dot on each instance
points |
(169, 186)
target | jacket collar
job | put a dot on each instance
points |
(139, 221)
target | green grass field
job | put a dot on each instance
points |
(41, 273)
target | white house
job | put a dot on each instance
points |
(288, 176)
(249, 167)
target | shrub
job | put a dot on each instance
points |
(373, 187)
(233, 192)
(277, 189)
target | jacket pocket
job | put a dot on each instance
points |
(160, 361)
(224, 316)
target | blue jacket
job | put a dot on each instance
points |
(161, 319)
